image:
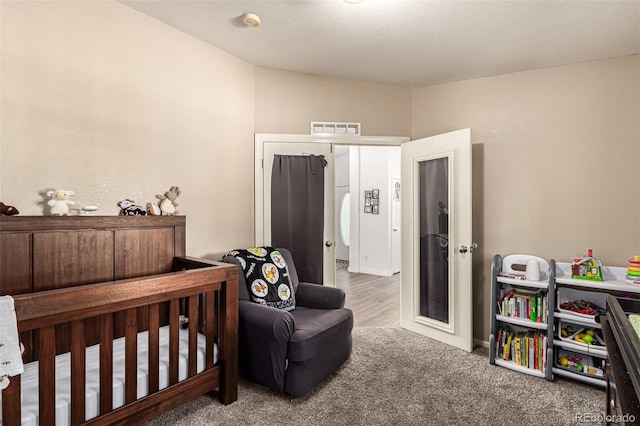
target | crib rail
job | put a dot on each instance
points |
(209, 296)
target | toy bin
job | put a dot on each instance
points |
(585, 365)
(572, 330)
(583, 298)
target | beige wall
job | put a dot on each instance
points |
(287, 102)
(556, 162)
(101, 99)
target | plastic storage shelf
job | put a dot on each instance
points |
(570, 289)
(503, 284)
(560, 288)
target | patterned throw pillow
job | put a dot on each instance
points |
(267, 277)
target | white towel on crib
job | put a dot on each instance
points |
(10, 353)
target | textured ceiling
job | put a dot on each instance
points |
(409, 42)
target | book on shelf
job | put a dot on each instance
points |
(524, 348)
(523, 305)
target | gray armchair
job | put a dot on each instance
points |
(291, 352)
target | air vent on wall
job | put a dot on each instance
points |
(324, 128)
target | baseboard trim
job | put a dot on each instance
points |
(483, 343)
(375, 271)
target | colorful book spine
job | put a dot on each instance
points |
(525, 306)
(526, 349)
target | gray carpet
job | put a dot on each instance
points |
(395, 376)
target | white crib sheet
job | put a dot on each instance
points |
(29, 379)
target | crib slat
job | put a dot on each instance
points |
(154, 350)
(216, 304)
(106, 363)
(131, 355)
(193, 335)
(11, 410)
(47, 374)
(210, 311)
(174, 320)
(78, 372)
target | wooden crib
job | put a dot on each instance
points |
(71, 318)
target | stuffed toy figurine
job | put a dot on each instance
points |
(129, 208)
(153, 209)
(6, 210)
(60, 202)
(168, 201)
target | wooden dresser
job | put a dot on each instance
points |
(96, 249)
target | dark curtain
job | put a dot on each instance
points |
(297, 211)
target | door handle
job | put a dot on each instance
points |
(464, 249)
(328, 243)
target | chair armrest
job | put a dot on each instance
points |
(267, 321)
(316, 296)
(264, 337)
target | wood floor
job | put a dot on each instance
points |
(374, 300)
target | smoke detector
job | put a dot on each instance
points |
(251, 20)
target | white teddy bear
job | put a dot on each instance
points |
(60, 202)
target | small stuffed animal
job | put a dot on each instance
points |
(168, 201)
(129, 208)
(60, 202)
(6, 210)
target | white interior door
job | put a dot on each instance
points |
(436, 294)
(270, 149)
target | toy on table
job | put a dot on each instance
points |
(587, 268)
(633, 271)
(60, 202)
(153, 209)
(129, 208)
(168, 201)
(87, 210)
(6, 210)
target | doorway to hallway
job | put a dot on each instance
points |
(367, 232)
(367, 208)
(374, 300)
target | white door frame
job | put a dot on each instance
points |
(261, 138)
(396, 239)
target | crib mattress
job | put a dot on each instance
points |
(29, 379)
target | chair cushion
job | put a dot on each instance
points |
(317, 331)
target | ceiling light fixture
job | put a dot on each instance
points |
(251, 20)
(353, 1)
